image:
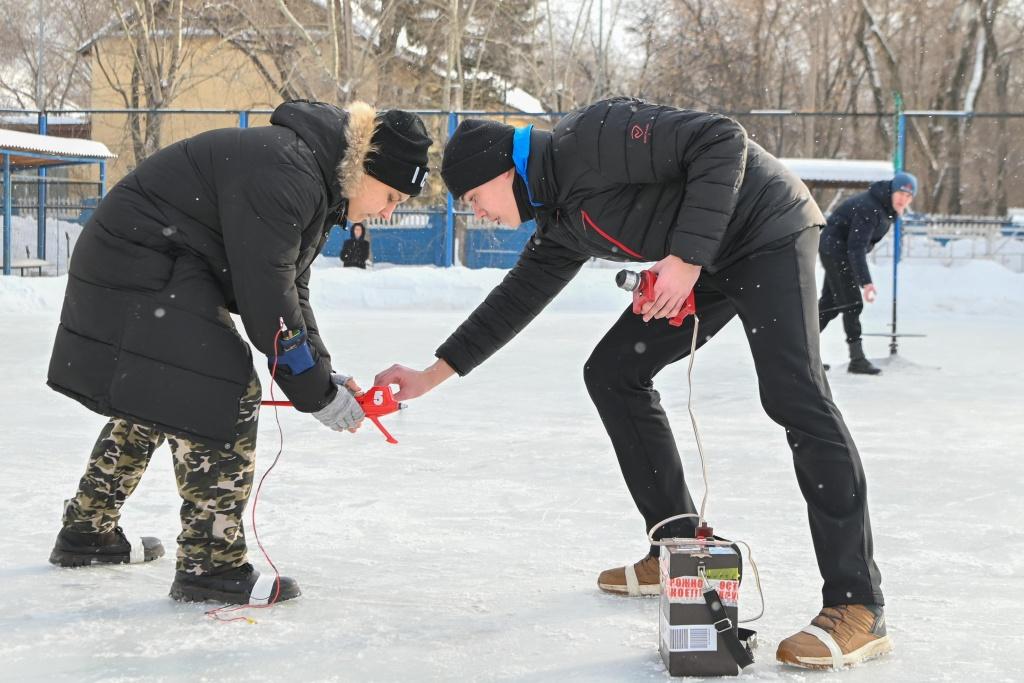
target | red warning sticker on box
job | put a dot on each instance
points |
(690, 590)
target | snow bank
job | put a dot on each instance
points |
(1004, 250)
(24, 233)
(974, 287)
(926, 285)
(31, 294)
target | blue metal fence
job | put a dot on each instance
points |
(435, 241)
(414, 238)
(403, 241)
(496, 247)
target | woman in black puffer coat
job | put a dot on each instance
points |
(228, 221)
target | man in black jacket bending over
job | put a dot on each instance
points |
(853, 229)
(630, 181)
(226, 221)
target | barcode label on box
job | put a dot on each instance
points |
(692, 639)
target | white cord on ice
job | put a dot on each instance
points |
(757, 580)
(704, 499)
(693, 417)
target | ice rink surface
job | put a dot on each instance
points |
(470, 551)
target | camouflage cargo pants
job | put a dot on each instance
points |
(214, 485)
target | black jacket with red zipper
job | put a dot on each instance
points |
(626, 180)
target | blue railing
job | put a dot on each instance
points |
(434, 241)
(414, 237)
(404, 241)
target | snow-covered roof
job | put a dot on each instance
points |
(515, 97)
(519, 99)
(837, 171)
(15, 141)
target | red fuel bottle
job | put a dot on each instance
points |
(642, 286)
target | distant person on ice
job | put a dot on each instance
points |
(625, 180)
(853, 229)
(225, 222)
(356, 249)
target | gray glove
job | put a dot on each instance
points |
(343, 412)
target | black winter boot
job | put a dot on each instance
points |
(859, 365)
(77, 549)
(235, 586)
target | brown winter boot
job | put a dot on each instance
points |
(642, 578)
(840, 636)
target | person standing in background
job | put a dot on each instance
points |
(853, 229)
(355, 252)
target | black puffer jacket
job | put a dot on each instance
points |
(857, 225)
(627, 180)
(229, 220)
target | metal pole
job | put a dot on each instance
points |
(449, 224)
(897, 237)
(39, 58)
(41, 104)
(600, 48)
(103, 179)
(41, 199)
(8, 221)
(782, 135)
(243, 119)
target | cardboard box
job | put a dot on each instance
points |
(690, 644)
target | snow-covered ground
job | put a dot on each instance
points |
(470, 550)
(1008, 251)
(61, 237)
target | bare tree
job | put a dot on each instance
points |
(276, 43)
(1007, 49)
(40, 66)
(393, 51)
(152, 68)
(805, 55)
(849, 58)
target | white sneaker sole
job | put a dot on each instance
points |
(876, 648)
(643, 589)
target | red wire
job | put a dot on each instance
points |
(216, 613)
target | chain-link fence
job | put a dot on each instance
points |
(66, 198)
